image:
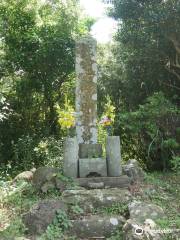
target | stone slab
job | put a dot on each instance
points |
(90, 150)
(70, 163)
(92, 167)
(96, 226)
(108, 182)
(89, 200)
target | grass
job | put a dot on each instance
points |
(166, 194)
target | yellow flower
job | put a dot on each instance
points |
(66, 116)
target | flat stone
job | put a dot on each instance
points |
(92, 166)
(96, 226)
(90, 199)
(140, 211)
(109, 182)
(90, 150)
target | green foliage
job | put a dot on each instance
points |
(118, 235)
(56, 230)
(49, 152)
(37, 58)
(30, 151)
(16, 229)
(143, 66)
(117, 209)
(175, 161)
(166, 189)
(150, 126)
(15, 200)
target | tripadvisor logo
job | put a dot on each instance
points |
(139, 231)
(108, 1)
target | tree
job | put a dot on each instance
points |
(148, 55)
(142, 72)
(37, 41)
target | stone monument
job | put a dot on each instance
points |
(86, 91)
(83, 155)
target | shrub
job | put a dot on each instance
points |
(150, 133)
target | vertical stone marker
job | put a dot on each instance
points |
(86, 91)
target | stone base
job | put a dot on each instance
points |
(92, 167)
(106, 182)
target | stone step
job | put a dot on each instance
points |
(88, 200)
(106, 182)
(96, 227)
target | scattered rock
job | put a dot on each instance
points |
(96, 226)
(44, 178)
(90, 199)
(64, 184)
(140, 211)
(26, 176)
(41, 215)
(134, 171)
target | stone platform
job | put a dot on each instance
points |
(104, 182)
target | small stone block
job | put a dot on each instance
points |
(92, 167)
(90, 150)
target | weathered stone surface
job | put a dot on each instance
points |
(90, 150)
(92, 185)
(71, 152)
(86, 90)
(113, 154)
(96, 226)
(92, 166)
(44, 178)
(90, 199)
(41, 215)
(21, 238)
(145, 231)
(109, 182)
(134, 171)
(140, 211)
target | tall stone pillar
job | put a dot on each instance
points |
(71, 150)
(113, 153)
(86, 91)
